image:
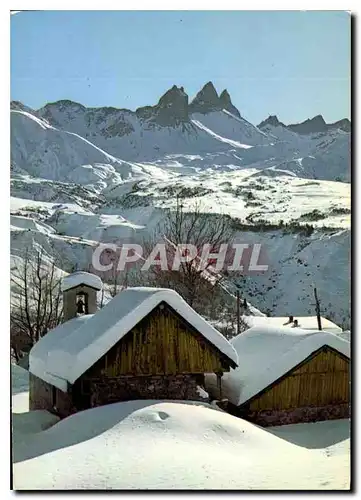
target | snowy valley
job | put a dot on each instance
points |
(80, 176)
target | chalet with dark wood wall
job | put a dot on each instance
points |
(288, 376)
(146, 343)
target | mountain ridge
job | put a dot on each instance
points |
(93, 175)
(205, 101)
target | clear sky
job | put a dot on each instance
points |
(295, 64)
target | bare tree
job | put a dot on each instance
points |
(197, 228)
(36, 301)
(118, 281)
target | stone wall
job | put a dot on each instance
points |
(298, 415)
(111, 390)
(40, 394)
(41, 397)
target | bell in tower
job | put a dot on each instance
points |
(80, 294)
(80, 305)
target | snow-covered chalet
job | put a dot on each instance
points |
(287, 375)
(146, 343)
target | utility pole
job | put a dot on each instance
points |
(317, 304)
(238, 312)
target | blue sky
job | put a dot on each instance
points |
(294, 64)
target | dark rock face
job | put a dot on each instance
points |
(271, 120)
(19, 106)
(226, 103)
(171, 109)
(206, 100)
(344, 125)
(318, 124)
(64, 106)
(310, 126)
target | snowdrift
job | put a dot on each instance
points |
(167, 445)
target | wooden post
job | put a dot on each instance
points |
(238, 312)
(318, 313)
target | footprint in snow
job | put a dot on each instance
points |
(161, 415)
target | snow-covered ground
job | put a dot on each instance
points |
(157, 445)
(296, 261)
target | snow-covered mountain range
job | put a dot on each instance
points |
(82, 175)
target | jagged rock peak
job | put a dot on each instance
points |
(310, 126)
(317, 119)
(206, 100)
(63, 104)
(273, 121)
(17, 105)
(172, 95)
(172, 108)
(344, 124)
(227, 104)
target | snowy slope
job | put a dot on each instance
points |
(224, 124)
(70, 233)
(166, 445)
(44, 151)
(127, 135)
(325, 155)
(213, 126)
(253, 195)
(90, 175)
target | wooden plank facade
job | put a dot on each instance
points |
(320, 380)
(163, 343)
(163, 356)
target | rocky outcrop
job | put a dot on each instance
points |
(344, 125)
(226, 103)
(272, 121)
(206, 100)
(314, 125)
(310, 126)
(172, 108)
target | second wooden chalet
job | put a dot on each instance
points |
(287, 375)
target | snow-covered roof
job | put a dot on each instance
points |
(81, 278)
(346, 335)
(66, 352)
(266, 353)
(304, 322)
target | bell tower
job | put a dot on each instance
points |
(80, 294)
